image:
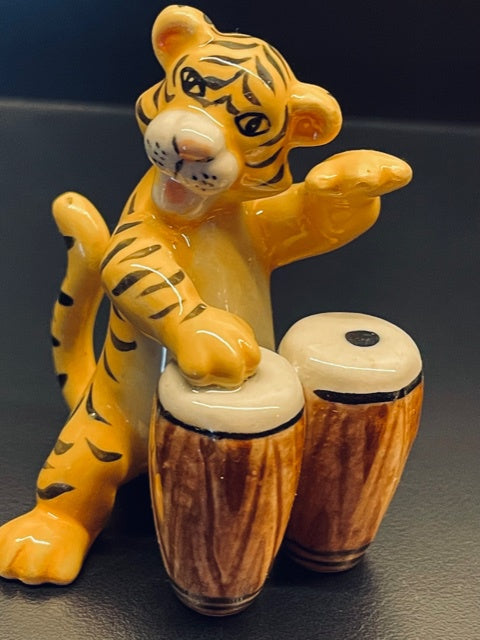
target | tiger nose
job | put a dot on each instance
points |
(194, 150)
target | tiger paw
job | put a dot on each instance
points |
(359, 174)
(40, 547)
(216, 348)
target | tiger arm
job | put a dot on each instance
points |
(339, 200)
(151, 291)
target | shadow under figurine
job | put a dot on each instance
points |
(187, 268)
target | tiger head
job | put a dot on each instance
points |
(220, 125)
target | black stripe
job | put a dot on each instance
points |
(103, 456)
(75, 409)
(248, 93)
(47, 465)
(265, 163)
(225, 435)
(62, 447)
(92, 412)
(141, 253)
(368, 398)
(69, 241)
(164, 312)
(264, 74)
(175, 69)
(129, 280)
(107, 367)
(121, 345)
(178, 166)
(142, 115)
(276, 178)
(231, 108)
(225, 60)
(230, 44)
(127, 225)
(64, 299)
(131, 206)
(54, 490)
(223, 100)
(62, 379)
(175, 145)
(215, 83)
(282, 60)
(168, 96)
(55, 341)
(118, 247)
(275, 64)
(156, 93)
(195, 312)
(170, 282)
(279, 135)
(117, 313)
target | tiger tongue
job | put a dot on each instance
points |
(175, 193)
(172, 196)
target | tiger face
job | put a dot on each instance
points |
(221, 123)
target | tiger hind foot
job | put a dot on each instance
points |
(40, 547)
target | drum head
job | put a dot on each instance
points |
(270, 399)
(351, 353)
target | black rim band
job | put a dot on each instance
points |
(222, 435)
(368, 398)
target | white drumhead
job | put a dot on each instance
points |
(268, 400)
(351, 353)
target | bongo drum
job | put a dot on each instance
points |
(224, 467)
(362, 379)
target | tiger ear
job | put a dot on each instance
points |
(178, 28)
(316, 117)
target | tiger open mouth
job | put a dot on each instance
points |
(194, 164)
(173, 196)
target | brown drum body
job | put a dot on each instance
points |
(357, 438)
(222, 498)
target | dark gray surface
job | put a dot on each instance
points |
(419, 267)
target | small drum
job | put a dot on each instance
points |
(362, 378)
(224, 468)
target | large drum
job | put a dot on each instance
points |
(224, 468)
(362, 378)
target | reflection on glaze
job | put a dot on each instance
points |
(267, 400)
(362, 415)
(329, 359)
(32, 539)
(188, 266)
(223, 482)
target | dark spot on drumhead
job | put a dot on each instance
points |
(362, 338)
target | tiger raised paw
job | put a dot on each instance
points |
(188, 266)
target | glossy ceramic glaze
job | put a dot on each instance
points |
(363, 385)
(224, 467)
(187, 267)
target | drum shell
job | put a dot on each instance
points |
(353, 459)
(221, 507)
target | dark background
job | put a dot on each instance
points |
(414, 59)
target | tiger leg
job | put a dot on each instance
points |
(76, 490)
(103, 444)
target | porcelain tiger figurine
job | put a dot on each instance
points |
(187, 267)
